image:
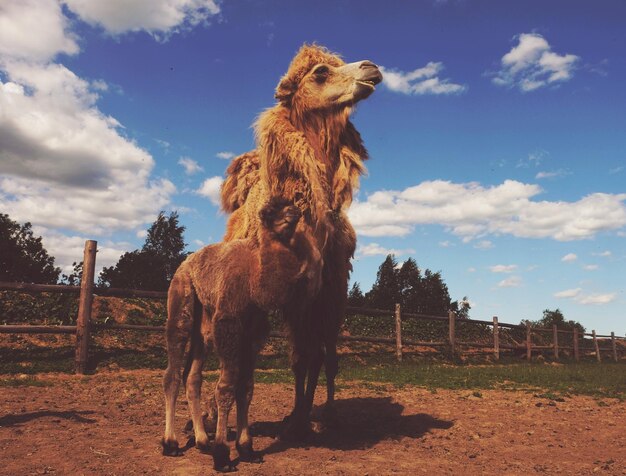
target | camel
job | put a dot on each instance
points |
(309, 153)
(221, 295)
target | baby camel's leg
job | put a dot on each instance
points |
(199, 348)
(227, 341)
(257, 331)
(243, 396)
(178, 329)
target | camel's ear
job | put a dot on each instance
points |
(285, 90)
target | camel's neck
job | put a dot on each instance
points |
(324, 132)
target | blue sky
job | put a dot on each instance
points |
(497, 141)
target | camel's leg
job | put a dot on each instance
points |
(297, 423)
(331, 368)
(178, 329)
(258, 330)
(227, 340)
(315, 365)
(194, 384)
(244, 392)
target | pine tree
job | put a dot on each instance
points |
(356, 297)
(386, 291)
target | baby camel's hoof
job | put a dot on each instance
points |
(248, 455)
(221, 459)
(203, 447)
(170, 448)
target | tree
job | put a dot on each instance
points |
(411, 289)
(385, 292)
(165, 239)
(356, 297)
(551, 318)
(461, 308)
(416, 293)
(152, 267)
(74, 278)
(22, 255)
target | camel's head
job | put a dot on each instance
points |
(280, 217)
(319, 80)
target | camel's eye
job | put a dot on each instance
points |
(321, 73)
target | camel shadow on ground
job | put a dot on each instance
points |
(18, 419)
(362, 422)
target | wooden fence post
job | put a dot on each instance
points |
(596, 346)
(529, 343)
(614, 346)
(576, 353)
(496, 338)
(452, 331)
(398, 333)
(555, 339)
(84, 307)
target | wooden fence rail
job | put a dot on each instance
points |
(86, 292)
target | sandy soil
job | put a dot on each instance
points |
(110, 424)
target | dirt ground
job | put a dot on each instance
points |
(110, 424)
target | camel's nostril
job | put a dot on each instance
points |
(368, 64)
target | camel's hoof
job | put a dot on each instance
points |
(248, 455)
(204, 447)
(221, 459)
(170, 448)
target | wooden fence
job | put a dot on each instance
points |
(84, 326)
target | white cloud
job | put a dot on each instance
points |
(69, 249)
(510, 282)
(226, 155)
(210, 189)
(552, 174)
(483, 245)
(471, 210)
(578, 296)
(446, 244)
(34, 30)
(604, 254)
(420, 81)
(617, 170)
(65, 164)
(160, 18)
(597, 299)
(373, 249)
(568, 293)
(471, 270)
(532, 64)
(503, 268)
(591, 267)
(191, 166)
(569, 257)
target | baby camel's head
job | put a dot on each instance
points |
(280, 217)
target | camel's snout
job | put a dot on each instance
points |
(370, 72)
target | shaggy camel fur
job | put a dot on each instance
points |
(309, 153)
(221, 295)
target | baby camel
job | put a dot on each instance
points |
(221, 294)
